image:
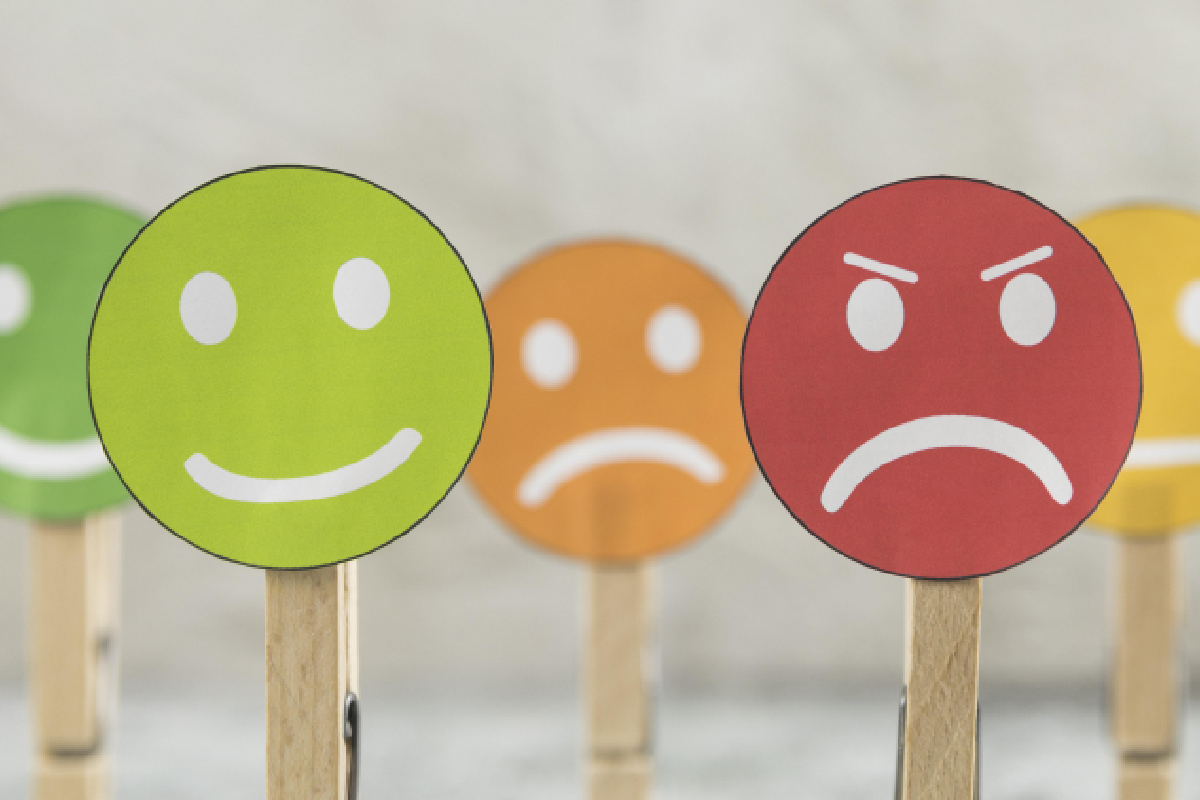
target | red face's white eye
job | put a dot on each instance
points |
(549, 354)
(1027, 309)
(16, 298)
(673, 339)
(1187, 312)
(875, 314)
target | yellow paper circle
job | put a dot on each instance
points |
(1154, 253)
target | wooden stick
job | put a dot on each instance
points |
(942, 678)
(312, 663)
(74, 581)
(1146, 676)
(1146, 780)
(615, 675)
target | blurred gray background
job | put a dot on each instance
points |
(720, 129)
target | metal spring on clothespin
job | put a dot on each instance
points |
(350, 732)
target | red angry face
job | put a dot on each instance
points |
(941, 378)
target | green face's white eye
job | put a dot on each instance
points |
(673, 339)
(1187, 312)
(16, 298)
(875, 314)
(361, 293)
(208, 308)
(1027, 309)
(549, 354)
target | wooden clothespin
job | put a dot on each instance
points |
(617, 688)
(73, 631)
(312, 682)
(613, 436)
(306, 406)
(940, 380)
(1146, 679)
(939, 729)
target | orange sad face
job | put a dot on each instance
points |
(615, 428)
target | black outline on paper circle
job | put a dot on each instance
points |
(709, 525)
(771, 274)
(486, 324)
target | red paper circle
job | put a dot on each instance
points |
(985, 431)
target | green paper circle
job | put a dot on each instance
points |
(60, 250)
(293, 390)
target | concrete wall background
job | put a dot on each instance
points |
(719, 129)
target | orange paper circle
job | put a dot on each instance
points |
(615, 428)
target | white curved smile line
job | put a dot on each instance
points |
(611, 446)
(50, 461)
(343, 480)
(1181, 451)
(947, 430)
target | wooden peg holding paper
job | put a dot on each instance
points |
(312, 681)
(941, 678)
(1146, 679)
(617, 687)
(73, 629)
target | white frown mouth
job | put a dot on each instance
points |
(343, 480)
(612, 446)
(947, 430)
(50, 461)
(1181, 451)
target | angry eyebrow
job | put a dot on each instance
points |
(1014, 264)
(896, 273)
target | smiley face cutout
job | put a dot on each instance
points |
(289, 367)
(940, 378)
(54, 256)
(614, 432)
(1154, 252)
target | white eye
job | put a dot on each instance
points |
(16, 298)
(548, 353)
(361, 293)
(875, 314)
(208, 308)
(1187, 312)
(1027, 309)
(673, 339)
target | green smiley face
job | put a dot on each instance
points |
(54, 256)
(289, 367)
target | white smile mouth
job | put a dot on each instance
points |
(612, 446)
(1181, 451)
(947, 430)
(343, 480)
(50, 461)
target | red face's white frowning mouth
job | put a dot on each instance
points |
(947, 430)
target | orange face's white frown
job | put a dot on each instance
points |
(615, 429)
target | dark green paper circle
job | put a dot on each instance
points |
(64, 247)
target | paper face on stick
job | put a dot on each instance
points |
(614, 432)
(54, 256)
(1154, 253)
(940, 378)
(289, 367)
